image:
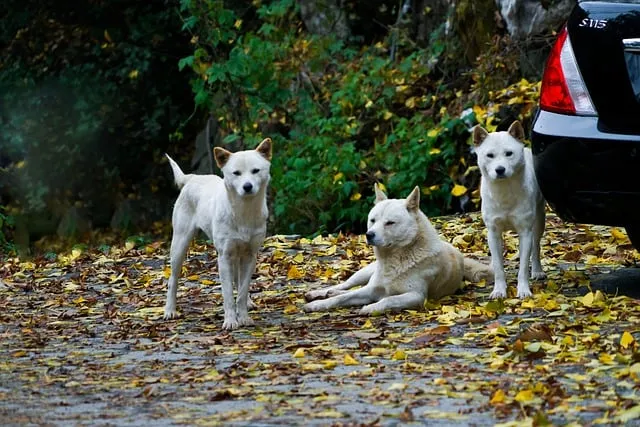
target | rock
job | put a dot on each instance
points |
(124, 218)
(618, 282)
(526, 18)
(428, 16)
(324, 17)
(202, 161)
(73, 223)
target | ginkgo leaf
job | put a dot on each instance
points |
(290, 309)
(399, 354)
(299, 353)
(349, 360)
(618, 234)
(587, 299)
(498, 397)
(628, 414)
(294, 273)
(626, 340)
(524, 396)
(458, 190)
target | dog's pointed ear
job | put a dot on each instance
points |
(479, 134)
(413, 201)
(264, 148)
(380, 196)
(222, 156)
(516, 130)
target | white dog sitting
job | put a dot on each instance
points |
(412, 263)
(511, 200)
(233, 213)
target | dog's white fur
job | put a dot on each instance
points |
(412, 263)
(511, 200)
(232, 211)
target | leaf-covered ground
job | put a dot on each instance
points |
(82, 341)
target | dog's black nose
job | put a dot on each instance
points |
(500, 170)
(247, 187)
(370, 236)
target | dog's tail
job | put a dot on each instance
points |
(179, 176)
(476, 271)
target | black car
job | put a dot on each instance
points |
(586, 133)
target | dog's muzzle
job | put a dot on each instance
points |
(370, 237)
(247, 187)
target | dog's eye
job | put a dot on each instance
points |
(508, 153)
(490, 155)
(389, 223)
(237, 173)
(372, 220)
(255, 171)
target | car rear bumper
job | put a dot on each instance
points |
(587, 175)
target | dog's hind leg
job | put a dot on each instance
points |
(538, 230)
(359, 278)
(407, 300)
(237, 270)
(183, 231)
(476, 271)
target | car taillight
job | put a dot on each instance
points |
(563, 90)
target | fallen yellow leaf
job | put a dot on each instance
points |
(294, 273)
(458, 190)
(399, 355)
(626, 340)
(524, 396)
(348, 360)
(498, 397)
(290, 309)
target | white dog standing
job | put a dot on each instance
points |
(412, 263)
(511, 200)
(232, 211)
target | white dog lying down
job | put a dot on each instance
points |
(412, 263)
(233, 213)
(511, 200)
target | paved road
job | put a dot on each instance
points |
(83, 343)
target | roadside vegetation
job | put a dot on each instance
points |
(91, 100)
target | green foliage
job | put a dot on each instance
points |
(7, 224)
(88, 98)
(342, 116)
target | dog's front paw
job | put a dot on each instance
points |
(313, 306)
(250, 304)
(523, 291)
(538, 275)
(499, 291)
(314, 295)
(170, 312)
(245, 321)
(230, 323)
(486, 275)
(370, 309)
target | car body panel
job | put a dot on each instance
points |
(588, 167)
(597, 31)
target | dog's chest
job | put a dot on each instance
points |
(243, 234)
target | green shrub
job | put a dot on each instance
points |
(342, 117)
